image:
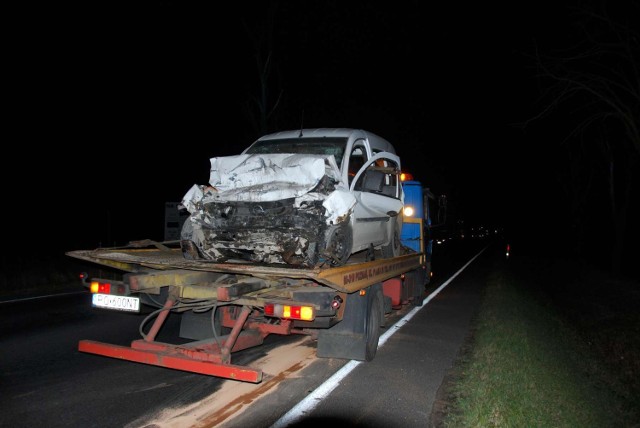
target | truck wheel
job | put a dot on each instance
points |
(372, 326)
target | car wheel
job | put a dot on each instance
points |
(188, 247)
(339, 239)
(394, 247)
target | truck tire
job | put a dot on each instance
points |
(372, 326)
(356, 336)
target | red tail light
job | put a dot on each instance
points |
(306, 313)
(101, 287)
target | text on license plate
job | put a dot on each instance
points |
(119, 303)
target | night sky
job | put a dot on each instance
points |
(118, 107)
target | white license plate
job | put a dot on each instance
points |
(119, 303)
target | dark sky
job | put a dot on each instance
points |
(118, 108)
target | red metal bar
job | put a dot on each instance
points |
(162, 316)
(166, 348)
(233, 335)
(284, 328)
(172, 360)
(205, 350)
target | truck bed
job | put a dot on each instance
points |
(355, 275)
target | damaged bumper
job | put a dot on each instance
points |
(265, 232)
(301, 219)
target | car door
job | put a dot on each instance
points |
(377, 213)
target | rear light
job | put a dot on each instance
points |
(100, 287)
(103, 287)
(336, 302)
(269, 309)
(84, 277)
(305, 313)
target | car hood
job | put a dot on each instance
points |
(272, 177)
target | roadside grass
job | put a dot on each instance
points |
(534, 363)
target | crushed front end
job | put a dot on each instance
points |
(276, 218)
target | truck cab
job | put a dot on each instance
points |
(421, 205)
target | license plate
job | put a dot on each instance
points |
(119, 303)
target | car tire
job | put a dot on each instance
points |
(394, 247)
(189, 249)
(339, 239)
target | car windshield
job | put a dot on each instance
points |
(314, 146)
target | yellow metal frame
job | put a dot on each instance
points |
(348, 278)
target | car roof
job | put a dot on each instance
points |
(376, 142)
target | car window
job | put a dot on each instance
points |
(357, 158)
(314, 146)
(381, 177)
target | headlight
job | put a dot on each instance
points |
(409, 211)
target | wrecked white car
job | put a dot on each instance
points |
(301, 198)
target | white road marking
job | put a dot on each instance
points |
(42, 297)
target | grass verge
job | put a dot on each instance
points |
(531, 365)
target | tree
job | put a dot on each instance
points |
(592, 88)
(261, 108)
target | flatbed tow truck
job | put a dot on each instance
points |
(228, 307)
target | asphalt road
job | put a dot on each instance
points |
(45, 381)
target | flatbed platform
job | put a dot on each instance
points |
(355, 275)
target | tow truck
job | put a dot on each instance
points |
(228, 307)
